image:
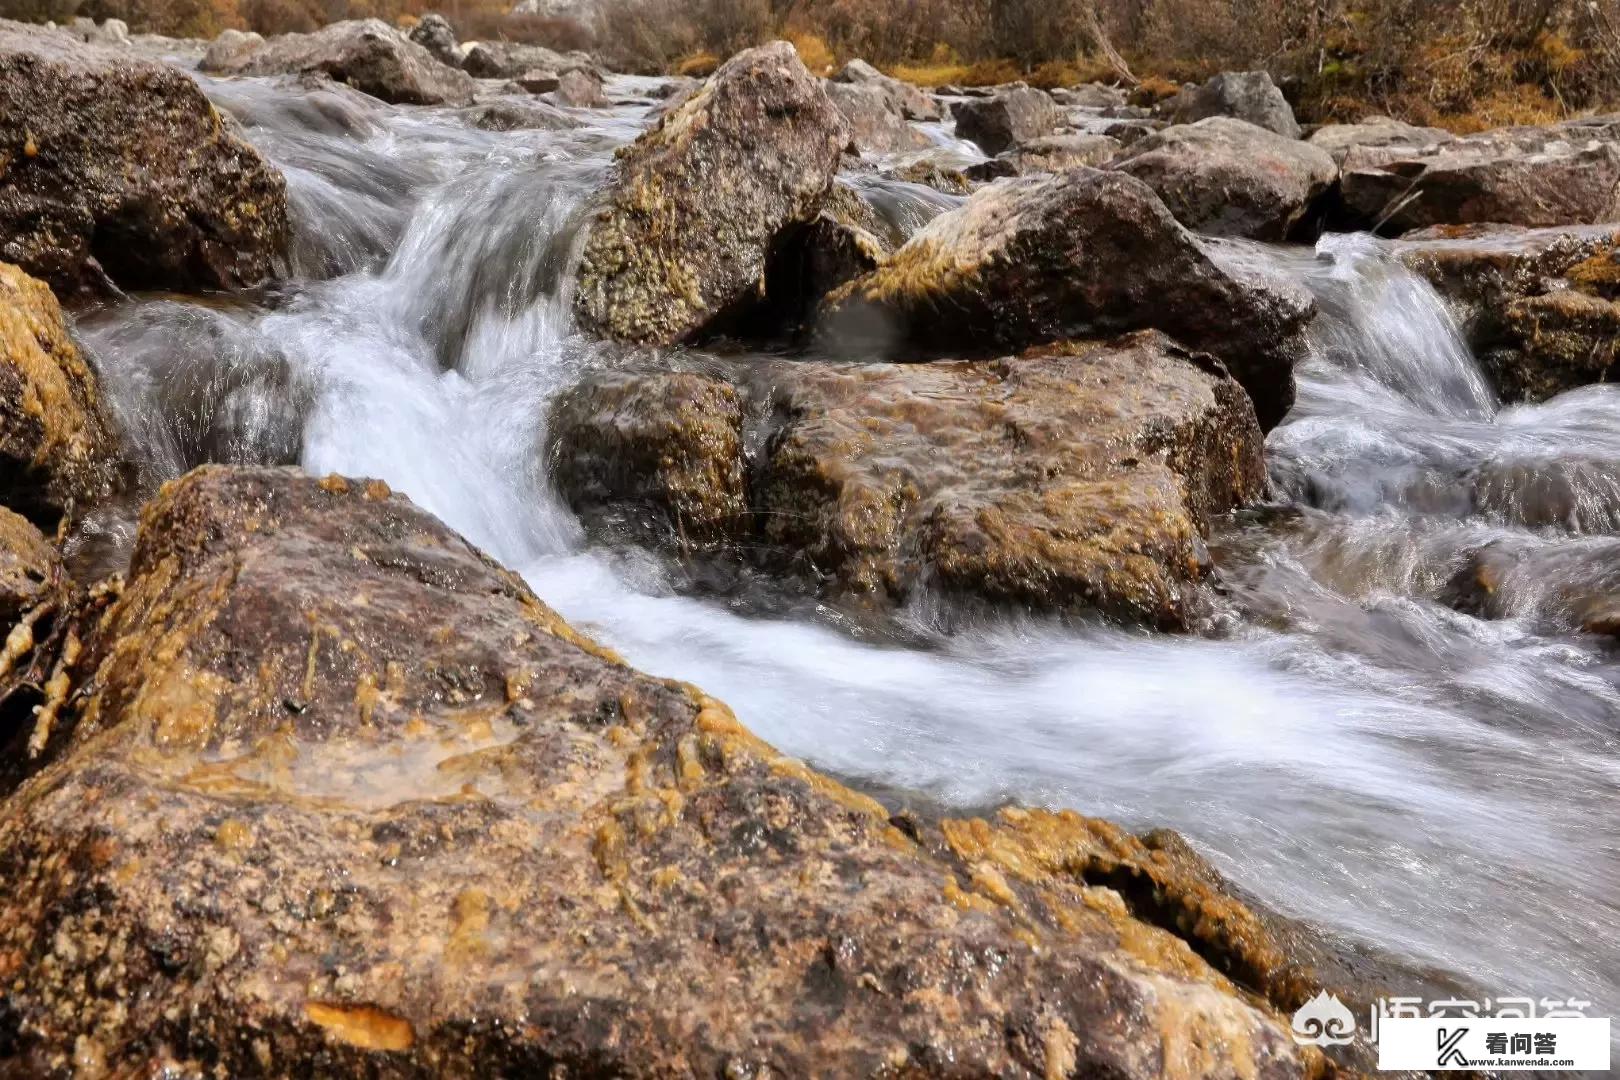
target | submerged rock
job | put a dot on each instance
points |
(338, 794)
(1227, 177)
(1012, 116)
(1535, 177)
(656, 456)
(1539, 307)
(368, 54)
(1074, 478)
(118, 167)
(908, 100)
(510, 115)
(688, 221)
(56, 447)
(1561, 586)
(1081, 253)
(1244, 95)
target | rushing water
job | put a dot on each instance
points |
(1349, 748)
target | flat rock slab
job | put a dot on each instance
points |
(118, 170)
(368, 54)
(339, 795)
(1078, 254)
(687, 224)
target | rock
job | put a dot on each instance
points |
(427, 828)
(507, 60)
(1010, 117)
(56, 446)
(508, 115)
(1246, 95)
(203, 210)
(687, 224)
(1074, 478)
(1538, 306)
(28, 567)
(579, 88)
(845, 240)
(1124, 130)
(934, 174)
(1381, 133)
(1082, 253)
(908, 100)
(1089, 96)
(1050, 153)
(1534, 177)
(538, 81)
(1227, 177)
(434, 33)
(228, 48)
(1560, 586)
(113, 32)
(368, 54)
(876, 124)
(655, 456)
(37, 607)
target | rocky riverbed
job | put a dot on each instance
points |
(507, 568)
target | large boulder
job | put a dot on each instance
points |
(1010, 117)
(368, 54)
(1245, 95)
(1032, 260)
(876, 123)
(56, 447)
(657, 456)
(1533, 177)
(435, 34)
(1227, 177)
(1075, 478)
(228, 47)
(686, 226)
(338, 795)
(118, 167)
(1392, 137)
(578, 87)
(508, 60)
(1049, 153)
(911, 102)
(1539, 307)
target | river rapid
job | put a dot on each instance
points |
(1349, 749)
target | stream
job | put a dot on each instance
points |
(1348, 748)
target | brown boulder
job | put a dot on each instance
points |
(658, 456)
(1074, 478)
(911, 102)
(1533, 177)
(1250, 96)
(368, 54)
(1081, 253)
(56, 446)
(876, 123)
(114, 166)
(688, 222)
(579, 88)
(1227, 177)
(1008, 118)
(28, 568)
(339, 795)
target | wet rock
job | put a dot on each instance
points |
(1074, 478)
(1124, 130)
(687, 225)
(1227, 177)
(426, 827)
(510, 115)
(1245, 95)
(537, 81)
(934, 174)
(655, 456)
(368, 54)
(110, 32)
(229, 47)
(56, 447)
(1010, 117)
(876, 123)
(1538, 306)
(1560, 586)
(203, 210)
(1535, 177)
(845, 240)
(910, 101)
(1081, 253)
(434, 33)
(579, 88)
(1050, 153)
(28, 566)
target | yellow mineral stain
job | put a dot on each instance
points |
(377, 491)
(233, 835)
(365, 1026)
(334, 484)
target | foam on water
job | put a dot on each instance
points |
(1348, 748)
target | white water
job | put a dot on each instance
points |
(1347, 748)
